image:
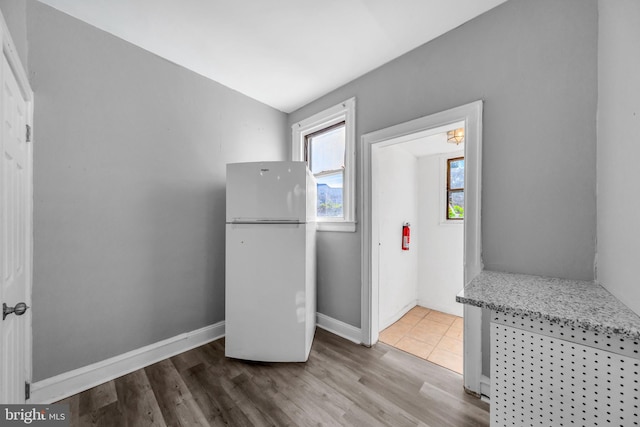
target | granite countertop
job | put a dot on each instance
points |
(570, 302)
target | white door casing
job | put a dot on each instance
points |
(16, 197)
(471, 114)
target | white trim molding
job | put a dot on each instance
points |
(471, 115)
(485, 388)
(9, 50)
(344, 111)
(442, 188)
(339, 328)
(73, 382)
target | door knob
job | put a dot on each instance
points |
(18, 310)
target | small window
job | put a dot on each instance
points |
(455, 189)
(326, 141)
(324, 153)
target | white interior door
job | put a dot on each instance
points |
(15, 233)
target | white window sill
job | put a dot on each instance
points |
(341, 226)
(452, 222)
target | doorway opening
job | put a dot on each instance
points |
(418, 189)
(471, 116)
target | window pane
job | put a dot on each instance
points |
(330, 195)
(326, 150)
(456, 171)
(456, 205)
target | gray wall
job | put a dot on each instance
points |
(130, 154)
(619, 149)
(534, 63)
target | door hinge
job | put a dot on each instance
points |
(27, 391)
(28, 133)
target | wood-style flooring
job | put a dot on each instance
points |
(342, 384)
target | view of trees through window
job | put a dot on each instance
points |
(455, 188)
(324, 153)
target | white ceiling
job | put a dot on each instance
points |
(284, 53)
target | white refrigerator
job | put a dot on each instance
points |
(270, 265)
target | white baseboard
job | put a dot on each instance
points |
(339, 328)
(69, 383)
(485, 388)
(455, 308)
(385, 323)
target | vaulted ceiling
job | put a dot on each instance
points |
(284, 53)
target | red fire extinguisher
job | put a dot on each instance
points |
(406, 236)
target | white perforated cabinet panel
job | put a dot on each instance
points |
(541, 380)
(607, 342)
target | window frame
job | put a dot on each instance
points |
(320, 132)
(450, 190)
(444, 184)
(343, 112)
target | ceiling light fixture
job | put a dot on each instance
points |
(455, 136)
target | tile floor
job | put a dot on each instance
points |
(429, 334)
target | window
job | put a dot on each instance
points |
(455, 189)
(324, 153)
(326, 141)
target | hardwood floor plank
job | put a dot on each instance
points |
(464, 412)
(314, 397)
(106, 416)
(342, 384)
(227, 407)
(259, 400)
(357, 416)
(214, 355)
(187, 360)
(137, 401)
(244, 403)
(97, 397)
(74, 409)
(276, 392)
(174, 398)
(211, 408)
(368, 401)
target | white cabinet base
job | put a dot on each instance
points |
(545, 374)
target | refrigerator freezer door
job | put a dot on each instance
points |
(270, 306)
(275, 191)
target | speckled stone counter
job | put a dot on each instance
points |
(570, 302)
